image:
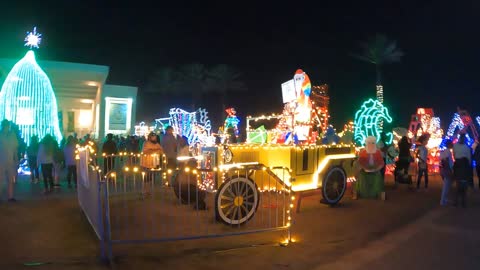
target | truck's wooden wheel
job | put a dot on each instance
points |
(334, 185)
(236, 201)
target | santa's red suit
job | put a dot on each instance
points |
(370, 183)
(370, 162)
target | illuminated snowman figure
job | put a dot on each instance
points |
(27, 96)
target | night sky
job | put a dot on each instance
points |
(268, 41)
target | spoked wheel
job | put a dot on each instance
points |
(236, 201)
(334, 185)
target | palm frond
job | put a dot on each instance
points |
(379, 50)
(362, 58)
(223, 78)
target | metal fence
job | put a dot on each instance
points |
(142, 205)
(89, 189)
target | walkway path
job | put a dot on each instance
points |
(408, 231)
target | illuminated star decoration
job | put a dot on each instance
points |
(33, 38)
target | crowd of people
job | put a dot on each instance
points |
(456, 162)
(54, 161)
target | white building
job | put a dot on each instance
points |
(85, 103)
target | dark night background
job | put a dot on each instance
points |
(267, 41)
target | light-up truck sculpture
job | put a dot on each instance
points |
(303, 167)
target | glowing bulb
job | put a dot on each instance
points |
(33, 39)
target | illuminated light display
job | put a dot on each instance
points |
(468, 122)
(380, 93)
(194, 125)
(204, 182)
(207, 182)
(330, 136)
(457, 126)
(367, 120)
(27, 97)
(297, 119)
(161, 123)
(304, 119)
(260, 134)
(346, 136)
(321, 166)
(456, 123)
(303, 106)
(424, 122)
(143, 130)
(33, 39)
(231, 121)
(436, 133)
(320, 102)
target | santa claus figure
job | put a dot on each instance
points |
(370, 182)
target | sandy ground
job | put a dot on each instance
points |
(52, 232)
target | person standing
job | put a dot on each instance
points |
(422, 155)
(476, 158)
(383, 147)
(462, 169)
(21, 147)
(8, 159)
(69, 153)
(109, 149)
(46, 159)
(404, 159)
(183, 147)
(151, 156)
(32, 152)
(446, 171)
(170, 147)
(58, 164)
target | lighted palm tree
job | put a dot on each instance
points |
(380, 51)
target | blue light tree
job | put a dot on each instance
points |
(27, 96)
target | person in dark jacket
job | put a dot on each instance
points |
(404, 159)
(462, 169)
(32, 152)
(476, 158)
(109, 148)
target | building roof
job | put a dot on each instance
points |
(69, 80)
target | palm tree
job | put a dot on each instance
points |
(192, 80)
(222, 79)
(163, 81)
(379, 51)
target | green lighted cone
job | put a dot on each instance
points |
(27, 99)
